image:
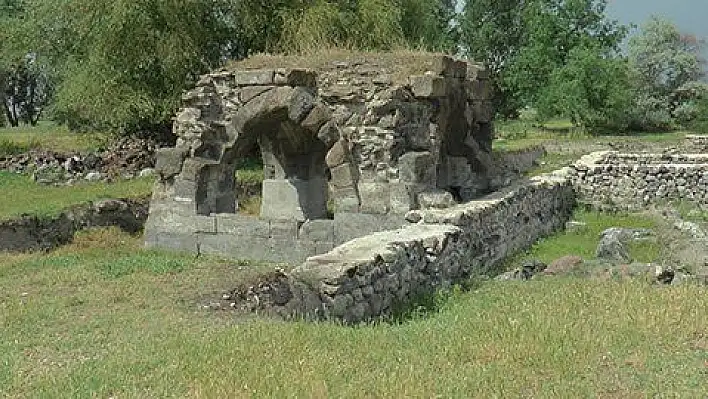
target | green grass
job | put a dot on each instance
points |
(583, 241)
(74, 327)
(47, 136)
(21, 195)
(520, 134)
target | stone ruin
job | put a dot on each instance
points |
(349, 148)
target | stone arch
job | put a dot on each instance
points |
(380, 144)
(284, 123)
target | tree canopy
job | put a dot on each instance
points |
(525, 42)
(122, 65)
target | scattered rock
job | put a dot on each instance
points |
(49, 174)
(563, 265)
(436, 200)
(691, 229)
(612, 246)
(147, 172)
(93, 177)
(527, 270)
(664, 275)
(125, 156)
(269, 292)
(414, 217)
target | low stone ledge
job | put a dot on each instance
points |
(371, 276)
(611, 180)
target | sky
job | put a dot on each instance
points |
(688, 15)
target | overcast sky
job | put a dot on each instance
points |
(689, 15)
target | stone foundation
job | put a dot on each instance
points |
(371, 276)
(697, 143)
(611, 180)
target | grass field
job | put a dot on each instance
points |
(21, 195)
(105, 318)
(47, 136)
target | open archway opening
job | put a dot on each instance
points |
(295, 175)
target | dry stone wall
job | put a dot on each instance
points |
(371, 276)
(614, 180)
(697, 143)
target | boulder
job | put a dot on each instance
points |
(613, 243)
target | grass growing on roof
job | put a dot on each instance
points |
(72, 327)
(21, 195)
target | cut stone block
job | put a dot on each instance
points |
(244, 226)
(403, 197)
(449, 67)
(346, 199)
(483, 111)
(294, 199)
(478, 90)
(344, 176)
(169, 161)
(260, 77)
(339, 154)
(428, 86)
(375, 198)
(296, 77)
(418, 168)
(248, 93)
(348, 226)
(317, 231)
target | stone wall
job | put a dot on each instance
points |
(371, 276)
(611, 180)
(350, 138)
(697, 143)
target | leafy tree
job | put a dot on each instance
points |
(123, 64)
(667, 69)
(524, 42)
(26, 91)
(24, 82)
(430, 24)
(368, 25)
(592, 89)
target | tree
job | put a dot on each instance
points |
(368, 25)
(592, 89)
(122, 65)
(24, 82)
(524, 42)
(26, 91)
(430, 24)
(667, 69)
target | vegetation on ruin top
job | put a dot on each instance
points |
(398, 64)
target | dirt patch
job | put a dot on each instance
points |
(32, 233)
